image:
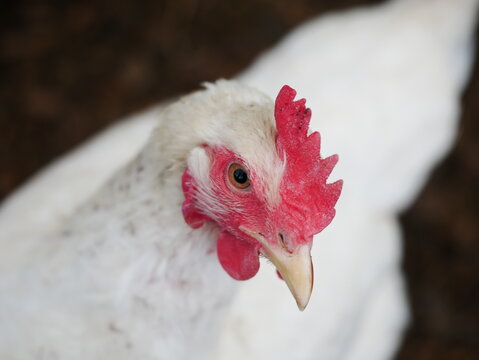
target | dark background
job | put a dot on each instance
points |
(68, 69)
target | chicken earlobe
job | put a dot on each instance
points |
(192, 216)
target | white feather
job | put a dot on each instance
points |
(118, 273)
(384, 85)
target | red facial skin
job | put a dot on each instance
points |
(307, 202)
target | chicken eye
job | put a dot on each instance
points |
(238, 176)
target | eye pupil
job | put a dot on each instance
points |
(240, 176)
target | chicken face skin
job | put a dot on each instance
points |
(277, 221)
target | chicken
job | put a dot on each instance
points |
(384, 83)
(126, 276)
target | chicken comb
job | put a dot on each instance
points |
(304, 182)
(292, 118)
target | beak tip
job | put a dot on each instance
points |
(302, 307)
(303, 302)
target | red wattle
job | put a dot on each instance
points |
(239, 258)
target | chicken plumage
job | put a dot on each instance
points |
(386, 96)
(384, 83)
(124, 276)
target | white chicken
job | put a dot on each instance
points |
(385, 85)
(125, 276)
(94, 271)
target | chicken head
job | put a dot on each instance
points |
(271, 210)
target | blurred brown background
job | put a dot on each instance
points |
(69, 68)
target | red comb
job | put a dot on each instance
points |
(306, 173)
(292, 117)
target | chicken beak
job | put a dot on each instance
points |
(297, 271)
(296, 268)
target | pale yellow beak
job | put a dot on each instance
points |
(296, 268)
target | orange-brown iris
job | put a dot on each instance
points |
(238, 176)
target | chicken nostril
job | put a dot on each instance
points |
(284, 242)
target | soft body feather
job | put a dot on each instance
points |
(122, 276)
(384, 85)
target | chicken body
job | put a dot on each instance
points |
(123, 276)
(384, 85)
